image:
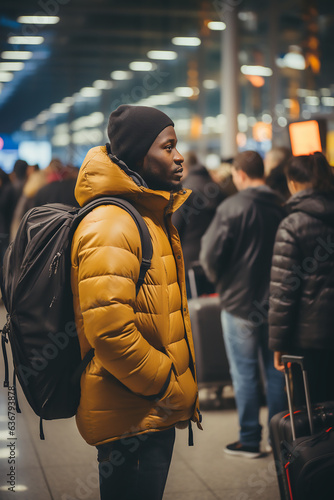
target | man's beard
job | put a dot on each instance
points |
(160, 185)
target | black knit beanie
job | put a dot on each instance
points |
(132, 131)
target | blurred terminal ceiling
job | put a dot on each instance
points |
(94, 38)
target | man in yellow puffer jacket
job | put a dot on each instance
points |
(141, 382)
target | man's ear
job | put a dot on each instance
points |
(243, 175)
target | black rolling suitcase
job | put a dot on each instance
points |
(303, 445)
(211, 362)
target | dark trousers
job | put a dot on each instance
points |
(136, 468)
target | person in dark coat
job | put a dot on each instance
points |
(60, 185)
(195, 216)
(302, 276)
(19, 177)
(7, 205)
(274, 164)
(236, 255)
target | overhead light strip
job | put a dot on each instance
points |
(16, 54)
(25, 40)
(38, 20)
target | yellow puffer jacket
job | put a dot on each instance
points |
(139, 341)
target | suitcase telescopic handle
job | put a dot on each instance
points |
(192, 283)
(287, 360)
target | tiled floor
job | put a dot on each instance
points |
(63, 467)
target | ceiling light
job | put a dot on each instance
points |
(43, 117)
(90, 92)
(25, 40)
(78, 97)
(61, 140)
(327, 101)
(163, 55)
(68, 100)
(91, 136)
(16, 54)
(186, 41)
(216, 26)
(142, 66)
(183, 125)
(186, 91)
(102, 84)
(59, 108)
(95, 119)
(121, 75)
(210, 84)
(246, 16)
(160, 100)
(256, 70)
(62, 128)
(303, 92)
(28, 126)
(312, 100)
(38, 19)
(325, 92)
(292, 60)
(11, 66)
(5, 76)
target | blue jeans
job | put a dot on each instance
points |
(136, 467)
(244, 342)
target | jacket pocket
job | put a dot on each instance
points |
(173, 398)
(181, 393)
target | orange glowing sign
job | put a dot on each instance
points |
(305, 137)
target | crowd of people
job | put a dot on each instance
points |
(269, 252)
(28, 186)
(262, 234)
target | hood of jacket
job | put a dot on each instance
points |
(100, 176)
(317, 204)
(261, 194)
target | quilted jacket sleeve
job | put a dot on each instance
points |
(285, 288)
(216, 245)
(107, 251)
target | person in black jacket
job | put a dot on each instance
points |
(302, 276)
(195, 215)
(236, 255)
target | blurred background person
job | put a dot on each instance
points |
(302, 277)
(195, 216)
(223, 177)
(7, 204)
(274, 163)
(236, 255)
(36, 179)
(59, 185)
(18, 177)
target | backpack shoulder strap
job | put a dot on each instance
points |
(146, 243)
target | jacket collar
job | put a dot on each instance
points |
(102, 175)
